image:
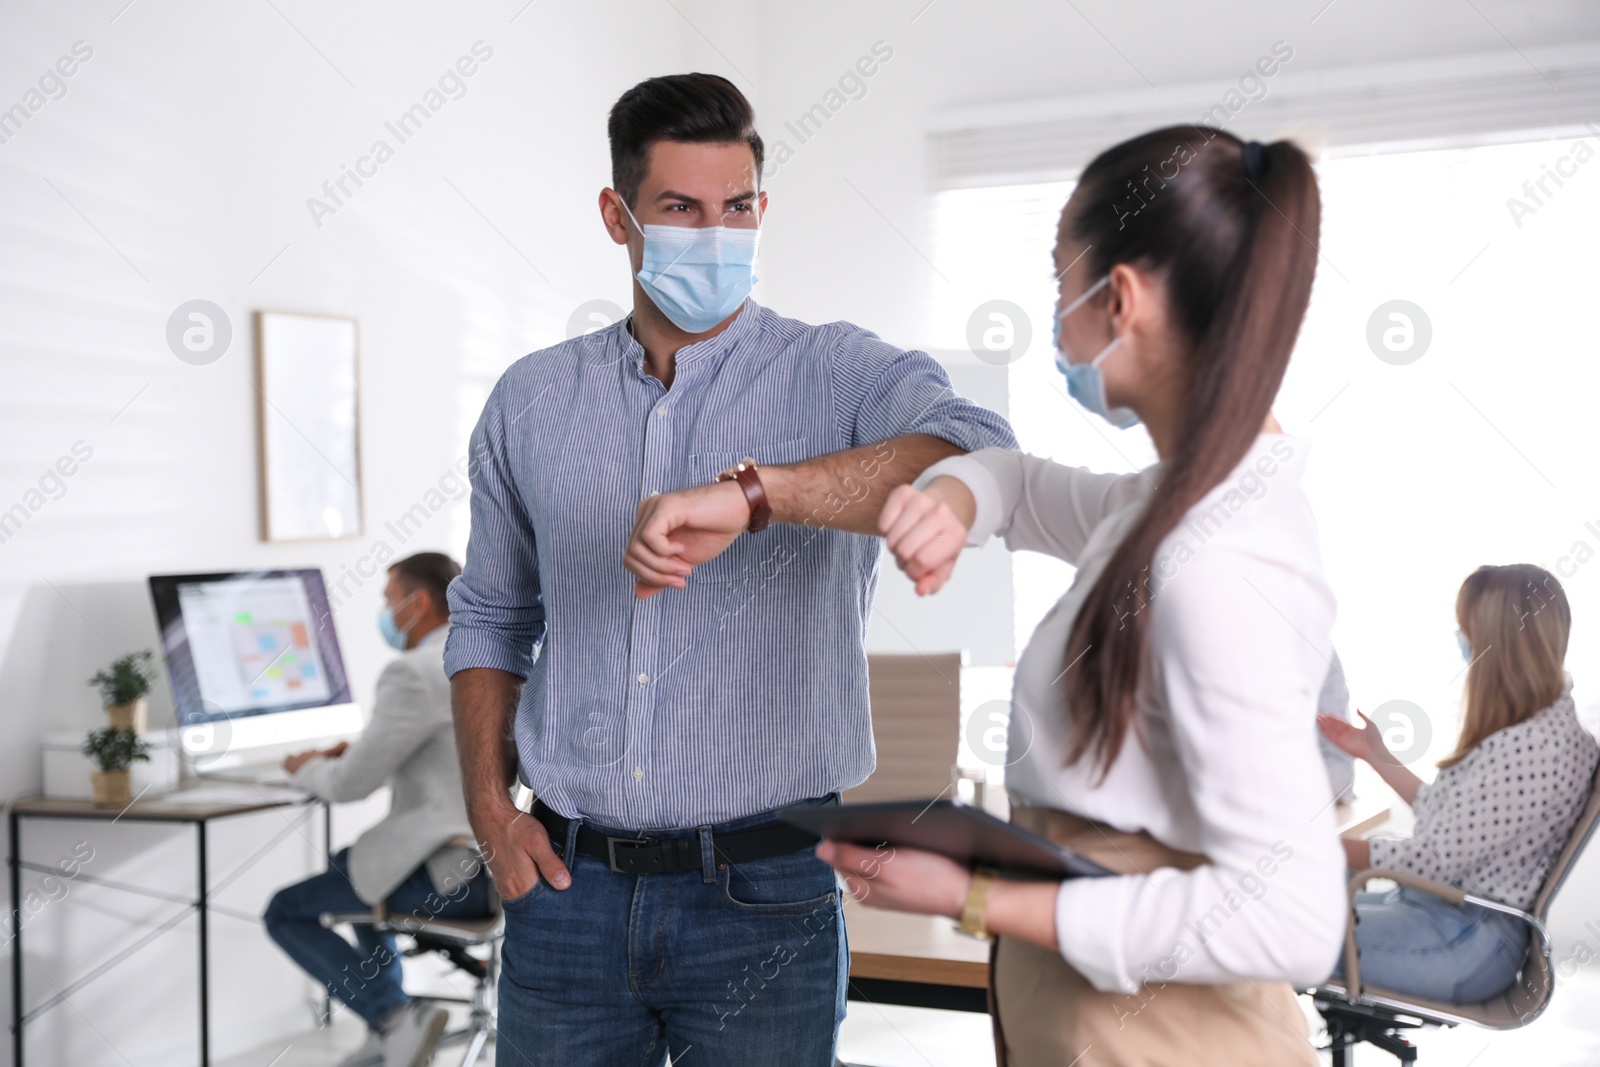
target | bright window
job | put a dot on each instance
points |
(1480, 451)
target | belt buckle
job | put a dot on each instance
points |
(611, 850)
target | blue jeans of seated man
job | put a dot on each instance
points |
(1414, 943)
(365, 976)
(743, 964)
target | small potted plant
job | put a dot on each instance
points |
(114, 751)
(123, 688)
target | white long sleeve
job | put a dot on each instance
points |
(1036, 505)
(1228, 765)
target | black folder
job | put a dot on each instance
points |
(970, 836)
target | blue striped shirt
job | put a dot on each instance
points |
(748, 689)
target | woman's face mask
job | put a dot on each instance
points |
(696, 275)
(1085, 383)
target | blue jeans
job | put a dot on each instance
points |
(365, 976)
(744, 964)
(1414, 943)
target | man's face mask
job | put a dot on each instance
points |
(696, 275)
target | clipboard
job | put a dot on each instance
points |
(970, 836)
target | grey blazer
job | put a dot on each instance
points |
(410, 745)
(1335, 700)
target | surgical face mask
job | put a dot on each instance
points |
(1085, 383)
(696, 275)
(1466, 646)
(392, 634)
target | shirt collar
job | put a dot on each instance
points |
(712, 349)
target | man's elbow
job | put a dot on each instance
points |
(945, 448)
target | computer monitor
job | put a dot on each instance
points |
(254, 663)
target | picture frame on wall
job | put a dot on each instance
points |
(308, 418)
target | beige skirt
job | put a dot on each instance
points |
(1046, 1014)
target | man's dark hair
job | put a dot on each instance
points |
(695, 108)
(429, 571)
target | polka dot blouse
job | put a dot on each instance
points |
(1494, 823)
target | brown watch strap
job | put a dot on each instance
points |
(755, 493)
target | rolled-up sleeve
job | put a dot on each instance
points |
(496, 606)
(882, 391)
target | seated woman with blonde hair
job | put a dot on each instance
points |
(1499, 812)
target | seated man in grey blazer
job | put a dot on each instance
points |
(413, 860)
(1335, 700)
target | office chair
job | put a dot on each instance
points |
(452, 939)
(1357, 1013)
(916, 725)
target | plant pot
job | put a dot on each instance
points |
(112, 789)
(134, 715)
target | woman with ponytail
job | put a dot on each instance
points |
(1162, 715)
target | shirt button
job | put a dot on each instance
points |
(643, 679)
(661, 413)
(638, 773)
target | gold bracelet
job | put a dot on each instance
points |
(975, 912)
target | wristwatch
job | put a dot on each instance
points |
(744, 472)
(975, 912)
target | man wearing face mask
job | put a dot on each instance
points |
(412, 860)
(660, 627)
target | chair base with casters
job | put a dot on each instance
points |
(451, 939)
(1351, 1024)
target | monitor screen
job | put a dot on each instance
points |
(248, 643)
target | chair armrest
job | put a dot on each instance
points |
(1358, 881)
(1443, 890)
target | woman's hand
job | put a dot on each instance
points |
(900, 879)
(926, 530)
(1363, 742)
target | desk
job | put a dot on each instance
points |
(198, 811)
(922, 961)
(1364, 814)
(917, 960)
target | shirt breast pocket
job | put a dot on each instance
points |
(771, 555)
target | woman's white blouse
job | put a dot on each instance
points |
(1228, 765)
(1494, 823)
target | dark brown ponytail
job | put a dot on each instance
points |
(1232, 229)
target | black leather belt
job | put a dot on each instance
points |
(636, 855)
